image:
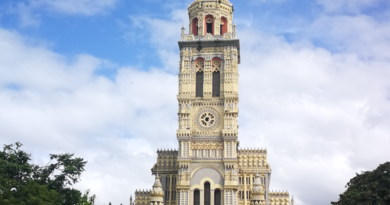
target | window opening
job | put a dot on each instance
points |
(216, 78)
(209, 23)
(207, 193)
(199, 78)
(196, 197)
(217, 197)
(167, 195)
(223, 25)
(195, 26)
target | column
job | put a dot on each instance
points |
(244, 189)
(181, 149)
(190, 197)
(201, 192)
(211, 196)
(170, 189)
(222, 197)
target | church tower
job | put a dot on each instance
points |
(208, 168)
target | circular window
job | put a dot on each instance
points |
(208, 119)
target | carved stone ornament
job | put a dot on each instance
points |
(190, 38)
(199, 65)
(207, 119)
(209, 20)
(227, 36)
(216, 65)
(208, 36)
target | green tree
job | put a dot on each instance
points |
(86, 200)
(368, 188)
(60, 174)
(24, 183)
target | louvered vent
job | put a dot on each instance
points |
(216, 83)
(199, 84)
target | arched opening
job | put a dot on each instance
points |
(199, 63)
(195, 26)
(217, 197)
(216, 64)
(199, 84)
(209, 28)
(216, 83)
(197, 197)
(224, 25)
(207, 193)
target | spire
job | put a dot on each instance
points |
(292, 200)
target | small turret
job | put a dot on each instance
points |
(183, 32)
(257, 195)
(157, 193)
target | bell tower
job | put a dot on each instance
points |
(208, 97)
(208, 168)
(208, 80)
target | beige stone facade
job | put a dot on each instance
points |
(208, 168)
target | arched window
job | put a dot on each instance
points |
(224, 24)
(196, 197)
(216, 77)
(195, 26)
(217, 197)
(209, 24)
(199, 77)
(207, 193)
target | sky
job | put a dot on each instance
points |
(98, 78)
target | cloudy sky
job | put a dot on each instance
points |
(98, 78)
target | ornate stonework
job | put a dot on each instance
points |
(208, 168)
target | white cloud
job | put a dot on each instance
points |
(81, 7)
(354, 6)
(60, 105)
(163, 35)
(27, 18)
(29, 11)
(359, 34)
(314, 109)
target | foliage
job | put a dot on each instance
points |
(24, 183)
(85, 200)
(368, 188)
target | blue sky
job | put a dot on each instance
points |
(103, 33)
(98, 78)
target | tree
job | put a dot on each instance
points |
(86, 200)
(24, 183)
(368, 188)
(64, 171)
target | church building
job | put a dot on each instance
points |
(208, 168)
